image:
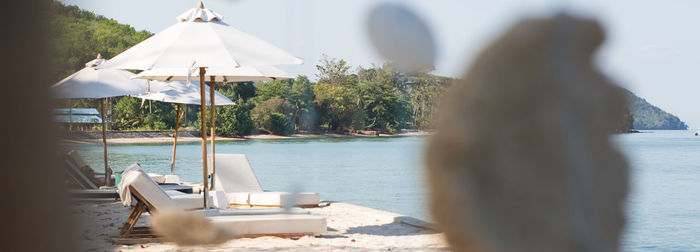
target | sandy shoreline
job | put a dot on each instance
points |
(166, 137)
(350, 228)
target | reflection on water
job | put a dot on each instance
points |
(385, 173)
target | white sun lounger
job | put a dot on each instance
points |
(236, 178)
(187, 201)
(242, 222)
(183, 200)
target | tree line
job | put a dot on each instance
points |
(377, 98)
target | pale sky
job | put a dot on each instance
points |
(653, 47)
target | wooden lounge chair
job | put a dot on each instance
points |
(236, 178)
(243, 222)
(76, 160)
(89, 178)
(88, 190)
(77, 175)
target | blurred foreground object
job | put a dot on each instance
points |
(34, 204)
(187, 229)
(402, 37)
(521, 160)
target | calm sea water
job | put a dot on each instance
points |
(386, 173)
(663, 207)
(382, 173)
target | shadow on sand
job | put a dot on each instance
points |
(402, 225)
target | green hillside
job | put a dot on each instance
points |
(78, 36)
(650, 117)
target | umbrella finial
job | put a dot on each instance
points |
(96, 62)
(200, 5)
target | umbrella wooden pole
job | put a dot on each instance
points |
(203, 120)
(177, 125)
(70, 115)
(108, 176)
(213, 116)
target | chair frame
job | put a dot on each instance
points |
(129, 232)
(78, 175)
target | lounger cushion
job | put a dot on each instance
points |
(234, 174)
(77, 159)
(254, 211)
(238, 198)
(150, 190)
(273, 198)
(175, 193)
(218, 199)
(123, 186)
(284, 198)
(270, 224)
(190, 201)
(160, 179)
(249, 211)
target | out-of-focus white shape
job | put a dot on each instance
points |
(402, 37)
(91, 82)
(202, 37)
(178, 92)
(221, 74)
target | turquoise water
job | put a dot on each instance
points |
(664, 202)
(383, 173)
(386, 173)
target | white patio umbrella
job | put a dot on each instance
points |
(236, 74)
(91, 82)
(201, 40)
(229, 74)
(179, 93)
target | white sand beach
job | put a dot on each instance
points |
(350, 228)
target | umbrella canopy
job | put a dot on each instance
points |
(91, 82)
(201, 39)
(228, 74)
(180, 93)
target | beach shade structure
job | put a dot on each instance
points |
(229, 74)
(178, 93)
(236, 74)
(201, 40)
(96, 83)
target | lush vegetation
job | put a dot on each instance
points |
(344, 98)
(78, 36)
(647, 116)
